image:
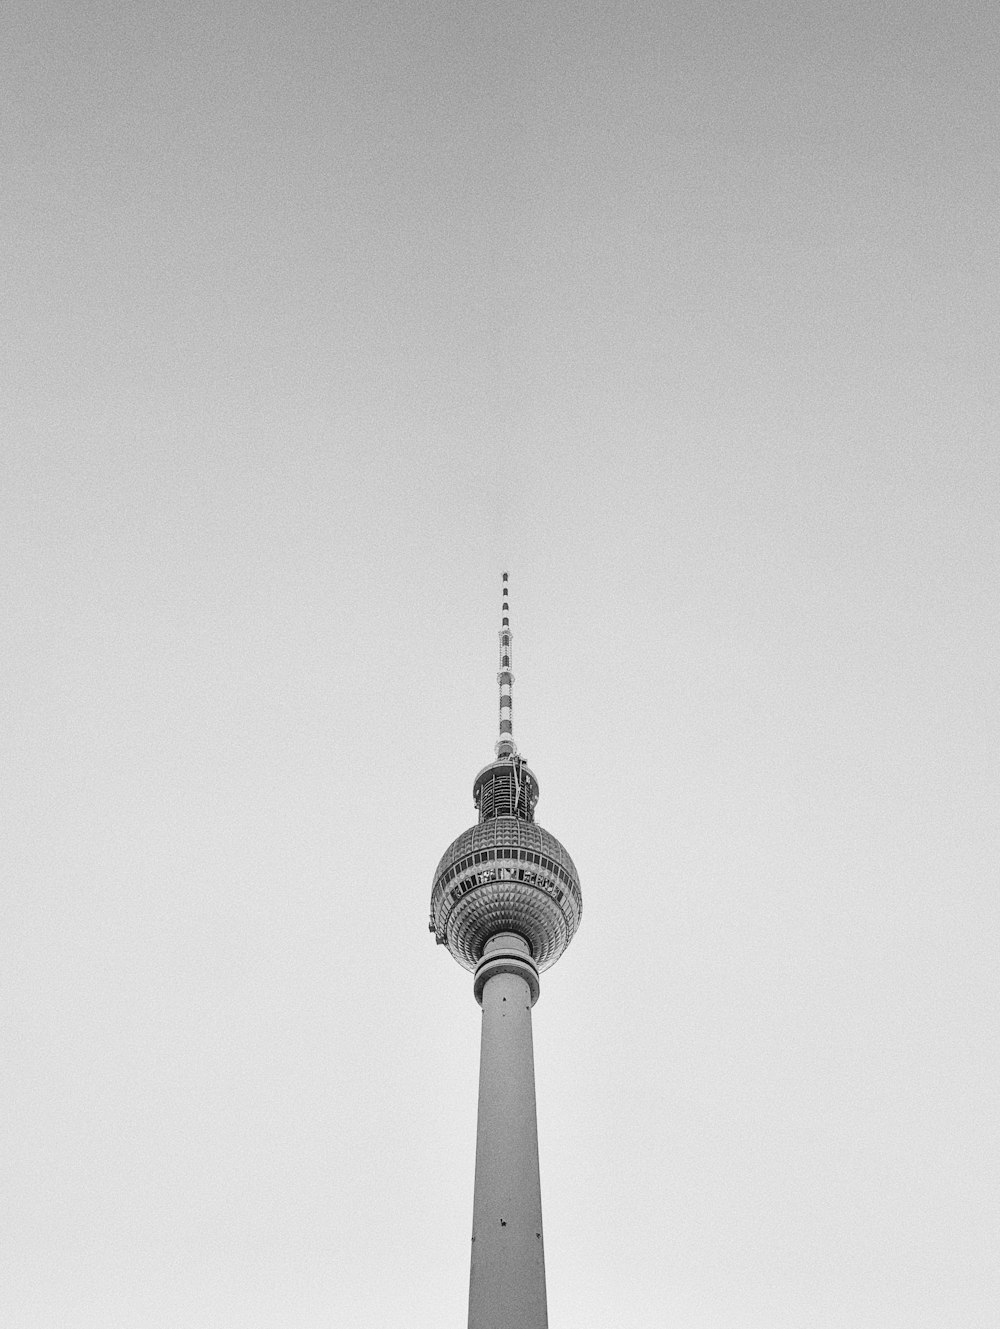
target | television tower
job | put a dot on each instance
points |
(506, 902)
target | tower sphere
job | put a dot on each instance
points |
(505, 874)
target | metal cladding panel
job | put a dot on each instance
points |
(512, 831)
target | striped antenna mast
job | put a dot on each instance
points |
(506, 747)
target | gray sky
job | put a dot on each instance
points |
(315, 317)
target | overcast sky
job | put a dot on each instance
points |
(316, 316)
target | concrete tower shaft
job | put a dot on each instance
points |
(507, 1275)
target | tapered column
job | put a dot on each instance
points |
(507, 1282)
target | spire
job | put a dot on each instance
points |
(505, 747)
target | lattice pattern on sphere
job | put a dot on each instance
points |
(506, 875)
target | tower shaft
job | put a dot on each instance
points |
(507, 1280)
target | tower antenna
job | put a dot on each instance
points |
(505, 746)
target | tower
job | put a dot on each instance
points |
(506, 902)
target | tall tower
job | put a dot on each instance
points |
(506, 902)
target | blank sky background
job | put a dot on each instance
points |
(317, 316)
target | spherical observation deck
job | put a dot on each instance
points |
(506, 874)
